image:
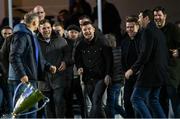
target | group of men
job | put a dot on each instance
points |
(147, 59)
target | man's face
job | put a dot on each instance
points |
(132, 28)
(40, 11)
(140, 20)
(59, 29)
(36, 23)
(6, 33)
(159, 18)
(143, 21)
(88, 31)
(73, 34)
(45, 29)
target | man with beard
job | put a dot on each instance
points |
(172, 88)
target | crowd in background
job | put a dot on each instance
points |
(70, 59)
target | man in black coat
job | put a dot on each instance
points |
(130, 51)
(94, 61)
(152, 64)
(171, 90)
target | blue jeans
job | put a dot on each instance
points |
(12, 86)
(145, 102)
(174, 96)
(112, 104)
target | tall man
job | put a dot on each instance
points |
(172, 88)
(94, 61)
(26, 61)
(152, 67)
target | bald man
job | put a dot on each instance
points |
(40, 11)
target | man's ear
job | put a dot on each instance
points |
(165, 15)
(146, 18)
(33, 23)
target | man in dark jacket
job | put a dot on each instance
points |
(26, 61)
(130, 51)
(152, 64)
(94, 61)
(172, 88)
(55, 50)
(73, 87)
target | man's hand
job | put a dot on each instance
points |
(52, 69)
(128, 73)
(175, 53)
(80, 71)
(107, 80)
(24, 79)
(62, 66)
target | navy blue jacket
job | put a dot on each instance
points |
(22, 55)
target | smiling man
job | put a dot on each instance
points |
(94, 61)
(130, 50)
(55, 50)
(172, 34)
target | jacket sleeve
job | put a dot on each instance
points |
(17, 48)
(176, 36)
(147, 44)
(67, 57)
(45, 66)
(78, 57)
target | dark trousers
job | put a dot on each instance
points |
(164, 99)
(69, 113)
(73, 87)
(55, 108)
(128, 89)
(95, 90)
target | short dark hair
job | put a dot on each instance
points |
(44, 21)
(86, 23)
(85, 17)
(132, 18)
(58, 24)
(148, 13)
(159, 8)
(6, 27)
